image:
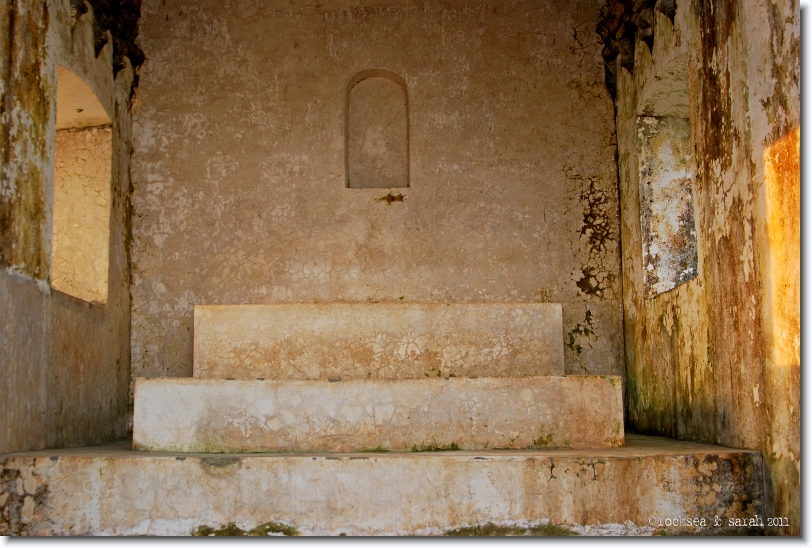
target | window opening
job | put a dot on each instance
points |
(82, 174)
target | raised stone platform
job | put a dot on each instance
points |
(213, 415)
(642, 488)
(379, 341)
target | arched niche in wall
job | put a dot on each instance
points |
(82, 173)
(665, 162)
(376, 131)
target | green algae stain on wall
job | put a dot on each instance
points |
(27, 110)
(230, 529)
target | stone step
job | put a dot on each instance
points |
(214, 415)
(642, 489)
(381, 340)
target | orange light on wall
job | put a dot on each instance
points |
(782, 181)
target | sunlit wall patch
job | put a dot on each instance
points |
(82, 175)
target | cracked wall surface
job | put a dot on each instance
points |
(82, 213)
(65, 362)
(239, 175)
(717, 359)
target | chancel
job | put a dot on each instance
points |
(396, 267)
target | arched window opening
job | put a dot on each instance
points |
(82, 174)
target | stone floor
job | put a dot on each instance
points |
(649, 486)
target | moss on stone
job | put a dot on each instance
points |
(434, 445)
(230, 529)
(227, 530)
(550, 440)
(272, 527)
(377, 449)
(493, 530)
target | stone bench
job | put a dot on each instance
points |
(214, 415)
(378, 341)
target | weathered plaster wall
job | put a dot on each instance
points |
(239, 176)
(64, 362)
(718, 358)
(81, 235)
(666, 202)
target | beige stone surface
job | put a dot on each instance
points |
(81, 237)
(238, 415)
(383, 341)
(65, 363)
(239, 187)
(77, 106)
(114, 491)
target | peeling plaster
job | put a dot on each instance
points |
(698, 362)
